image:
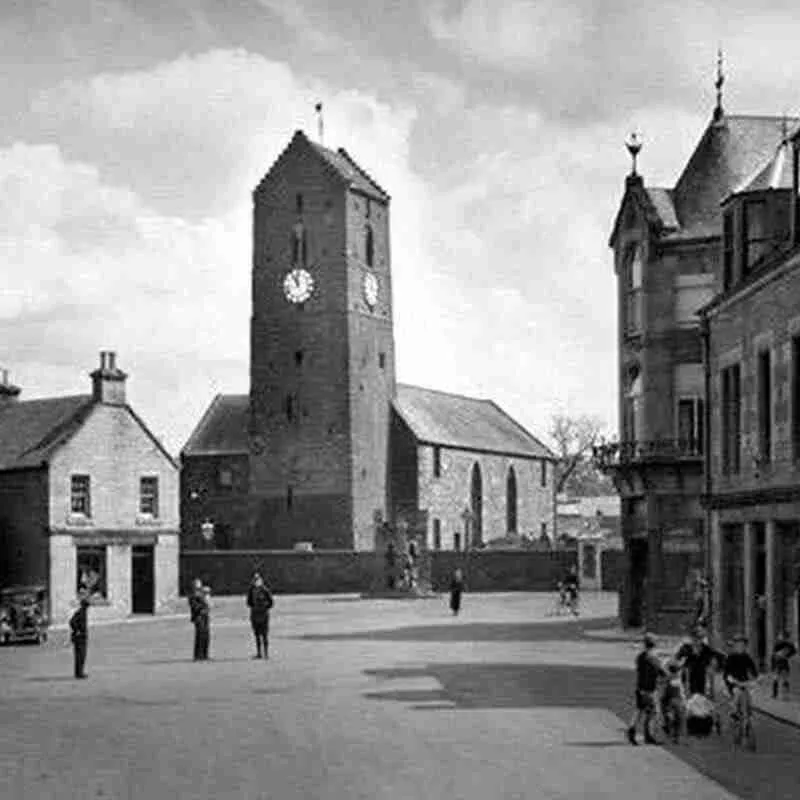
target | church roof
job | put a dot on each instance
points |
(222, 429)
(346, 166)
(465, 423)
(727, 154)
(31, 430)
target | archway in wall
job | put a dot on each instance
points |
(476, 504)
(511, 501)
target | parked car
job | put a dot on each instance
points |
(23, 614)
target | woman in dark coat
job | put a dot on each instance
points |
(456, 590)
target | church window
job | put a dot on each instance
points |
(382, 360)
(511, 501)
(543, 477)
(437, 462)
(437, 534)
(633, 291)
(475, 526)
(369, 247)
(299, 245)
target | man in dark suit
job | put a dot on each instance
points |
(259, 601)
(199, 612)
(79, 634)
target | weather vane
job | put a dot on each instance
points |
(634, 145)
(320, 123)
(719, 84)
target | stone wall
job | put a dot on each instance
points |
(343, 571)
(446, 497)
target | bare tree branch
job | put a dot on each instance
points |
(574, 438)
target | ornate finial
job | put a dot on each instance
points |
(720, 81)
(320, 124)
(634, 145)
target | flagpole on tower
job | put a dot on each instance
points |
(320, 123)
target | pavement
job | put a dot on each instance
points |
(786, 708)
(371, 699)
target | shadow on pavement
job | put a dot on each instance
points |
(477, 686)
(156, 662)
(574, 630)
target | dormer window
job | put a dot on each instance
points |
(755, 241)
(633, 291)
(727, 250)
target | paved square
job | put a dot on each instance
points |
(361, 699)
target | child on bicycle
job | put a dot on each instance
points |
(783, 651)
(740, 670)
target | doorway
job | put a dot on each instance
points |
(143, 579)
(637, 578)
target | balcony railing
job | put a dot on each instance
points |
(616, 454)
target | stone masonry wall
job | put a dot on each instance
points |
(446, 497)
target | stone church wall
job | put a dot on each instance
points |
(446, 497)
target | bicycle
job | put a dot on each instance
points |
(742, 715)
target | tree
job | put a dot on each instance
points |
(574, 438)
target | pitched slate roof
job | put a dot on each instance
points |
(353, 174)
(466, 423)
(775, 174)
(661, 201)
(725, 156)
(223, 429)
(32, 429)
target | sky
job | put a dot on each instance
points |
(133, 134)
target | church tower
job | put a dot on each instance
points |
(322, 366)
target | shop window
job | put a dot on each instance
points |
(80, 495)
(148, 496)
(91, 570)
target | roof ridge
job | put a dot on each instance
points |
(449, 394)
(362, 171)
(521, 427)
(298, 135)
(202, 422)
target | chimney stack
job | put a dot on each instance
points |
(8, 392)
(108, 381)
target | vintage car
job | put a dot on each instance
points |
(23, 614)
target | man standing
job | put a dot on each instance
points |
(79, 634)
(259, 601)
(199, 613)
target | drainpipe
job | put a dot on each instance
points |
(707, 481)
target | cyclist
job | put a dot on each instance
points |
(740, 670)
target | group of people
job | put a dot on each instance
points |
(259, 601)
(688, 677)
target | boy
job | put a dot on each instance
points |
(783, 651)
(740, 669)
(648, 670)
(673, 702)
(259, 601)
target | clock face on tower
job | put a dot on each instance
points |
(298, 285)
(371, 289)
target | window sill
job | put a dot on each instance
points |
(147, 521)
(79, 521)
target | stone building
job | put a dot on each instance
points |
(753, 377)
(88, 497)
(323, 448)
(668, 262)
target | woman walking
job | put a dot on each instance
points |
(456, 590)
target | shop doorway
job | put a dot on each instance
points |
(143, 579)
